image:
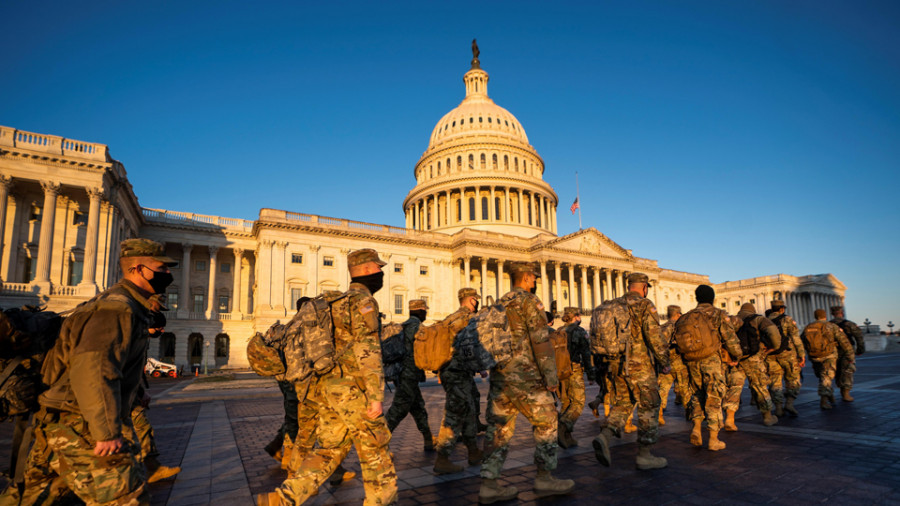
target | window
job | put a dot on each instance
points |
(172, 303)
(483, 161)
(167, 345)
(497, 208)
(199, 303)
(328, 261)
(472, 208)
(398, 303)
(35, 213)
(723, 305)
(753, 301)
(296, 294)
(398, 268)
(423, 270)
(200, 265)
(222, 346)
(484, 208)
(76, 268)
(225, 268)
(224, 304)
(30, 269)
(471, 162)
(79, 218)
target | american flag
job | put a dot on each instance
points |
(574, 206)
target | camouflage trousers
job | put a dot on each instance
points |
(571, 397)
(707, 390)
(408, 400)
(678, 375)
(825, 368)
(752, 369)
(307, 423)
(144, 432)
(289, 425)
(506, 399)
(638, 386)
(342, 424)
(460, 412)
(62, 460)
(844, 373)
(783, 368)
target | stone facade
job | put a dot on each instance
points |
(479, 203)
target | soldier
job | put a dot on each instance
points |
(752, 368)
(822, 340)
(525, 384)
(571, 390)
(408, 396)
(84, 439)
(847, 366)
(460, 411)
(634, 377)
(677, 371)
(350, 397)
(785, 362)
(706, 371)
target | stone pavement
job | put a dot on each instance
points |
(849, 455)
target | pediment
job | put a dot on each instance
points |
(591, 241)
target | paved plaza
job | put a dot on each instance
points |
(851, 455)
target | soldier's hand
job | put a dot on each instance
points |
(105, 448)
(374, 410)
(803, 363)
(554, 389)
(666, 370)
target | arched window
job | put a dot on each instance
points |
(497, 208)
(459, 210)
(505, 162)
(431, 171)
(484, 208)
(530, 207)
(195, 348)
(439, 167)
(471, 161)
(483, 161)
(494, 162)
(458, 163)
(472, 208)
(516, 163)
(167, 347)
(448, 165)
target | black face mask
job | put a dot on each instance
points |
(373, 282)
(533, 289)
(477, 304)
(160, 280)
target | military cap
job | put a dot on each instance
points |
(638, 277)
(836, 309)
(524, 267)
(672, 310)
(570, 312)
(467, 292)
(777, 304)
(418, 304)
(145, 248)
(364, 256)
(748, 307)
(820, 314)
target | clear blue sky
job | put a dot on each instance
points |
(729, 138)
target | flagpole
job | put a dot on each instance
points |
(578, 198)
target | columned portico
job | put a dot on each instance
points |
(184, 304)
(88, 284)
(45, 248)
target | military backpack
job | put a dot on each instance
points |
(433, 346)
(266, 352)
(393, 350)
(560, 340)
(486, 341)
(817, 345)
(309, 338)
(695, 336)
(612, 328)
(26, 335)
(785, 340)
(748, 335)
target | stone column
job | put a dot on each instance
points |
(264, 268)
(211, 305)
(573, 295)
(553, 218)
(45, 248)
(500, 289)
(434, 212)
(313, 269)
(5, 186)
(236, 274)
(492, 208)
(596, 301)
(278, 285)
(447, 207)
(545, 284)
(506, 216)
(557, 275)
(584, 298)
(184, 305)
(454, 264)
(607, 286)
(88, 279)
(467, 276)
(519, 194)
(484, 262)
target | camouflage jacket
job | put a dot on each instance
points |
(834, 333)
(764, 327)
(729, 340)
(667, 333)
(791, 332)
(356, 341)
(97, 364)
(578, 344)
(410, 327)
(852, 330)
(650, 341)
(533, 357)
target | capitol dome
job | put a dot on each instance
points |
(479, 171)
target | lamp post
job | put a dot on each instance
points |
(206, 360)
(890, 326)
(867, 323)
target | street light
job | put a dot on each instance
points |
(867, 323)
(890, 325)
(206, 360)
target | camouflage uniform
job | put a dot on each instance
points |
(633, 374)
(846, 367)
(344, 394)
(94, 372)
(825, 367)
(520, 386)
(678, 374)
(708, 375)
(460, 411)
(571, 389)
(752, 368)
(408, 397)
(307, 422)
(785, 366)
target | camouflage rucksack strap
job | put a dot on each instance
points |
(7, 373)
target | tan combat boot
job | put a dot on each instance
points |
(570, 439)
(769, 419)
(646, 460)
(157, 471)
(475, 454)
(789, 406)
(845, 395)
(714, 443)
(286, 450)
(595, 407)
(545, 484)
(269, 499)
(442, 465)
(779, 409)
(823, 402)
(662, 420)
(340, 475)
(492, 492)
(729, 420)
(696, 435)
(601, 446)
(630, 427)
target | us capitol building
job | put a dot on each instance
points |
(479, 201)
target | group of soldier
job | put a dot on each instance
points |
(85, 441)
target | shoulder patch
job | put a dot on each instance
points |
(540, 305)
(366, 308)
(652, 309)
